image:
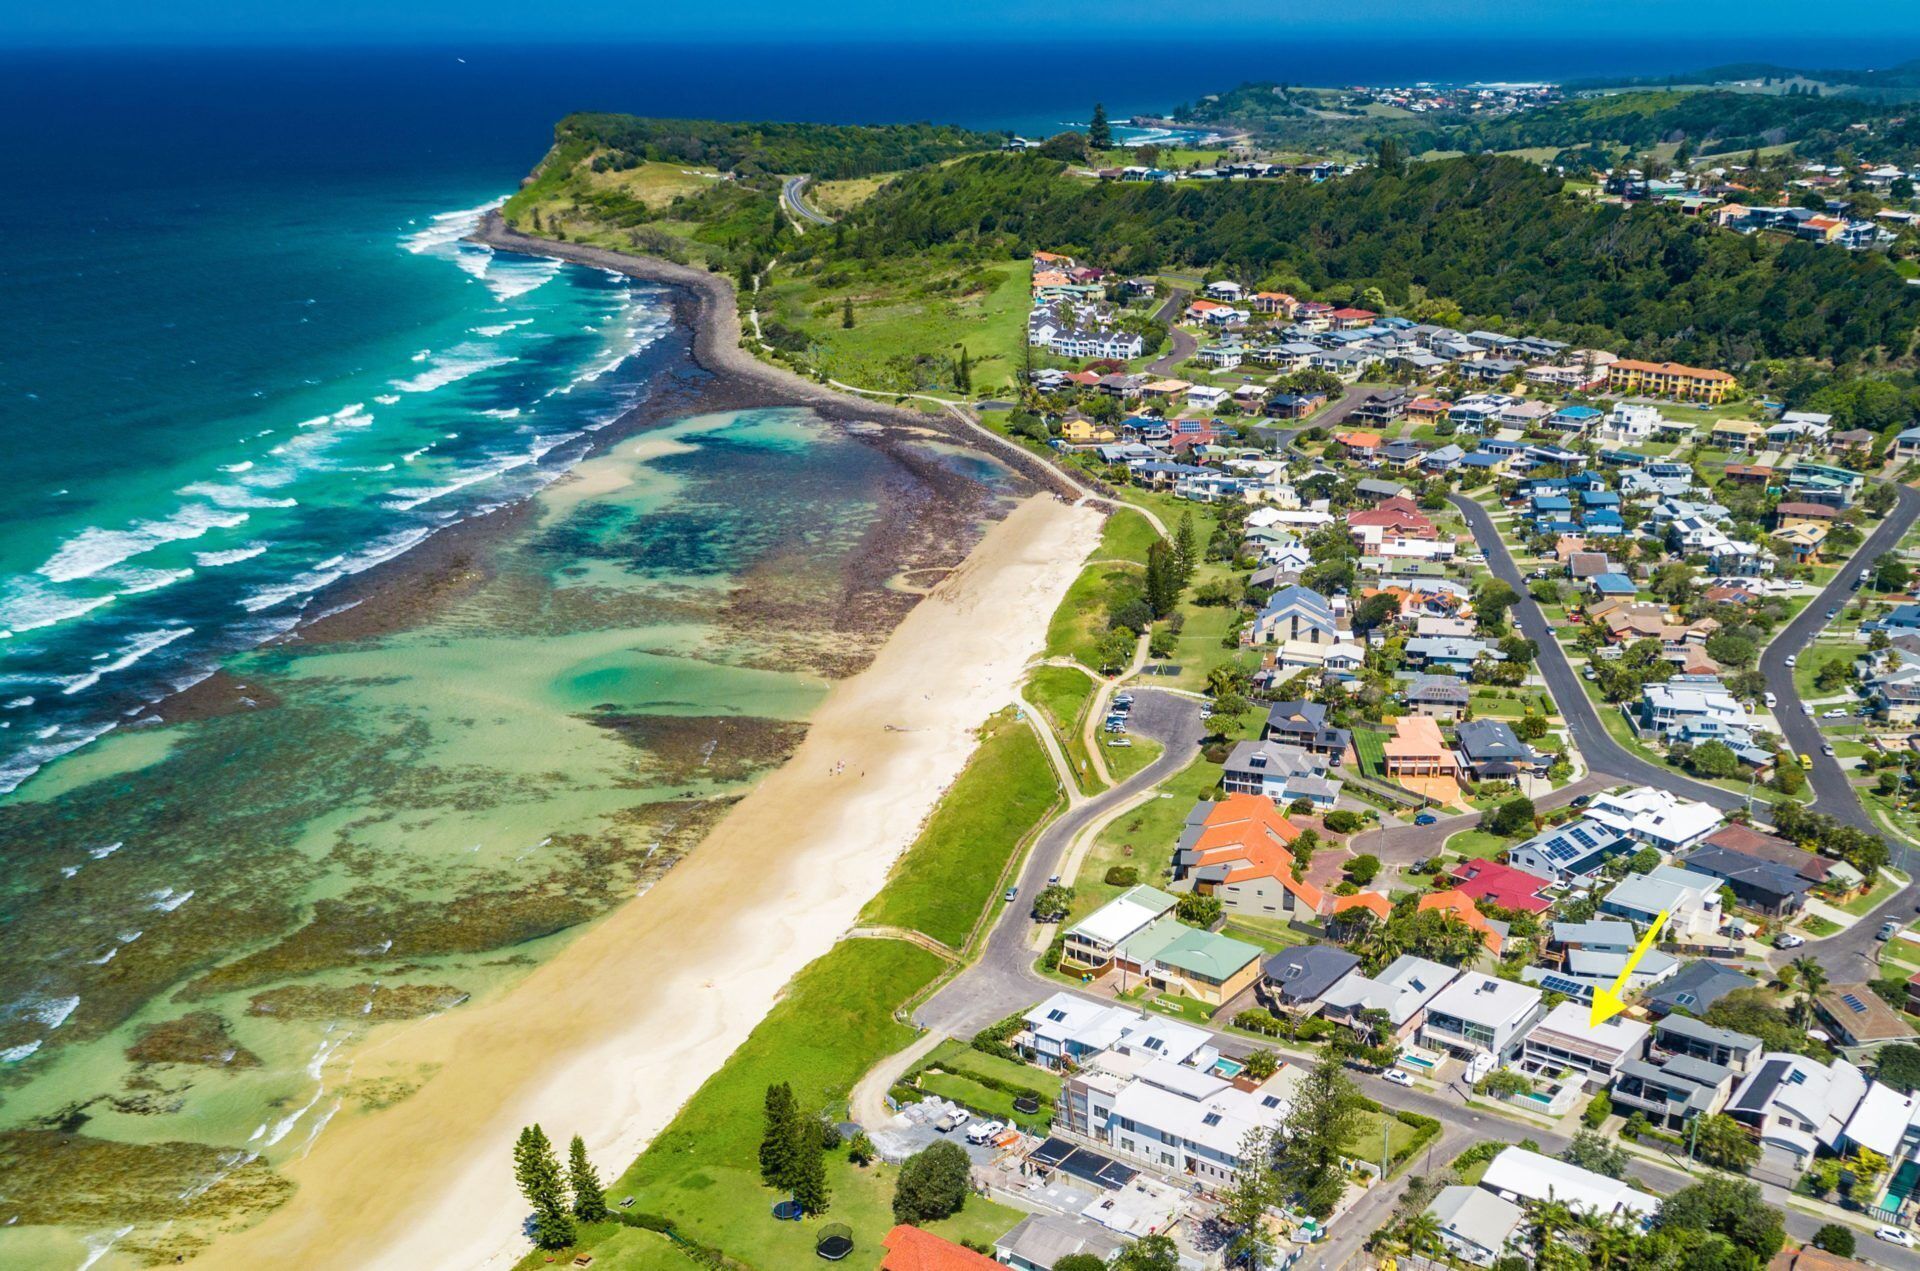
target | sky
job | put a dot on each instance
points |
(32, 22)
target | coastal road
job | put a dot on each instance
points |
(791, 192)
(1002, 980)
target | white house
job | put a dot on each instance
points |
(1475, 1224)
(1520, 1176)
(1171, 1117)
(1206, 397)
(1796, 1106)
(1065, 1028)
(1627, 422)
(1479, 1015)
(1689, 897)
(1658, 818)
(1092, 941)
(1567, 1039)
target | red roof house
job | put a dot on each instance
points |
(1489, 883)
(911, 1249)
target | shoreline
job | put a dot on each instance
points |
(611, 1036)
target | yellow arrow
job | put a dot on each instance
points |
(1606, 1002)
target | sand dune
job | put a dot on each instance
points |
(612, 1035)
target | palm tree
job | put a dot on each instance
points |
(1422, 1232)
(1813, 978)
(1549, 1216)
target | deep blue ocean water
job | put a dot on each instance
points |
(242, 352)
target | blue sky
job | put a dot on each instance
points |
(199, 21)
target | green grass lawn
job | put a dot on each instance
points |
(1364, 1144)
(1124, 761)
(1810, 660)
(1497, 704)
(1061, 695)
(1149, 831)
(942, 883)
(1270, 934)
(1868, 900)
(1479, 843)
(1817, 927)
(1369, 748)
(1127, 536)
(835, 1022)
(1080, 621)
(906, 307)
(955, 1070)
(1189, 1009)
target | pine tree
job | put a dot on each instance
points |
(1185, 547)
(1099, 132)
(538, 1173)
(963, 371)
(1163, 580)
(589, 1198)
(806, 1179)
(846, 313)
(776, 1138)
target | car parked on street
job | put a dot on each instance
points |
(1788, 940)
(1398, 1077)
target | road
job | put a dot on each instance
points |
(1180, 344)
(790, 193)
(1003, 978)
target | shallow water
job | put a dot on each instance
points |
(205, 919)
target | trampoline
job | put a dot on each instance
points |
(787, 1211)
(1026, 1105)
(834, 1241)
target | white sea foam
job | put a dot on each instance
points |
(101, 853)
(95, 549)
(14, 1054)
(499, 329)
(98, 1245)
(18, 702)
(42, 1009)
(15, 769)
(132, 651)
(106, 957)
(407, 498)
(166, 900)
(213, 560)
(454, 365)
(244, 465)
(144, 580)
(387, 399)
(34, 607)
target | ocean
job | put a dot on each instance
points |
(244, 357)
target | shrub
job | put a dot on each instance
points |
(1122, 876)
(1835, 1239)
(1341, 821)
(1258, 1020)
(1598, 1111)
(932, 1184)
(1363, 869)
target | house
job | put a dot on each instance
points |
(1693, 706)
(1669, 380)
(1066, 1030)
(1295, 980)
(1630, 423)
(1567, 1038)
(1858, 1020)
(914, 1249)
(1295, 615)
(1906, 444)
(1418, 750)
(1523, 1176)
(1474, 1224)
(1696, 987)
(1490, 750)
(1758, 884)
(1658, 818)
(1175, 958)
(1171, 1118)
(1280, 772)
(1403, 990)
(1736, 837)
(1363, 446)
(1449, 653)
(1609, 586)
(1460, 907)
(1501, 886)
(1438, 696)
(1237, 853)
(1673, 1092)
(1273, 302)
(1596, 954)
(1691, 901)
(1480, 1015)
(1039, 1241)
(1571, 854)
(1382, 406)
(1091, 943)
(1304, 724)
(1736, 435)
(1788, 515)
(1796, 1106)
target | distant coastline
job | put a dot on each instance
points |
(714, 316)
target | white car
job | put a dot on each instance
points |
(1398, 1077)
(984, 1131)
(1792, 659)
(1836, 713)
(1808, 709)
(1894, 1236)
(1827, 751)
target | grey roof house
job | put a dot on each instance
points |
(1296, 979)
(1696, 987)
(1489, 748)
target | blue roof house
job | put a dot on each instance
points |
(1613, 585)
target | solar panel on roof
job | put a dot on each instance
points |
(1854, 1004)
(1056, 1015)
(1212, 1118)
(1560, 984)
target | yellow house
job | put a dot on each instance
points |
(1668, 379)
(1802, 541)
(1736, 435)
(1083, 432)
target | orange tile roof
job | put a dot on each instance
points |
(1359, 440)
(1048, 278)
(911, 1249)
(1416, 737)
(1461, 906)
(1371, 901)
(1670, 368)
(1050, 256)
(1248, 834)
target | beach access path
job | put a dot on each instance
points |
(613, 1034)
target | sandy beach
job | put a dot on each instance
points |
(610, 1037)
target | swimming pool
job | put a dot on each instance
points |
(1228, 1068)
